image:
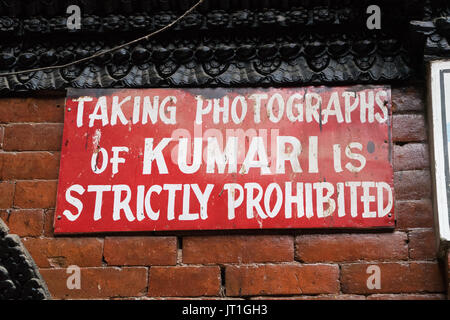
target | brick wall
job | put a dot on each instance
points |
(258, 264)
(447, 272)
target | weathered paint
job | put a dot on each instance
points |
(311, 143)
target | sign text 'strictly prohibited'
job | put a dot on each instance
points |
(179, 159)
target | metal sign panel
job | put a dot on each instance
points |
(206, 159)
(439, 120)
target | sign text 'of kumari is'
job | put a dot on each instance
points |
(188, 159)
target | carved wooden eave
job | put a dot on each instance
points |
(19, 275)
(435, 37)
(223, 43)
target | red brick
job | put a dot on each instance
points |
(351, 247)
(422, 244)
(318, 297)
(34, 137)
(211, 298)
(402, 277)
(63, 252)
(25, 223)
(408, 99)
(29, 165)
(412, 185)
(2, 134)
(129, 251)
(97, 283)
(184, 281)
(48, 222)
(414, 214)
(6, 194)
(411, 156)
(409, 128)
(406, 297)
(447, 273)
(237, 249)
(35, 194)
(282, 279)
(32, 109)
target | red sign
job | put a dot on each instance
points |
(189, 159)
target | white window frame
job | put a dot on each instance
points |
(439, 117)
